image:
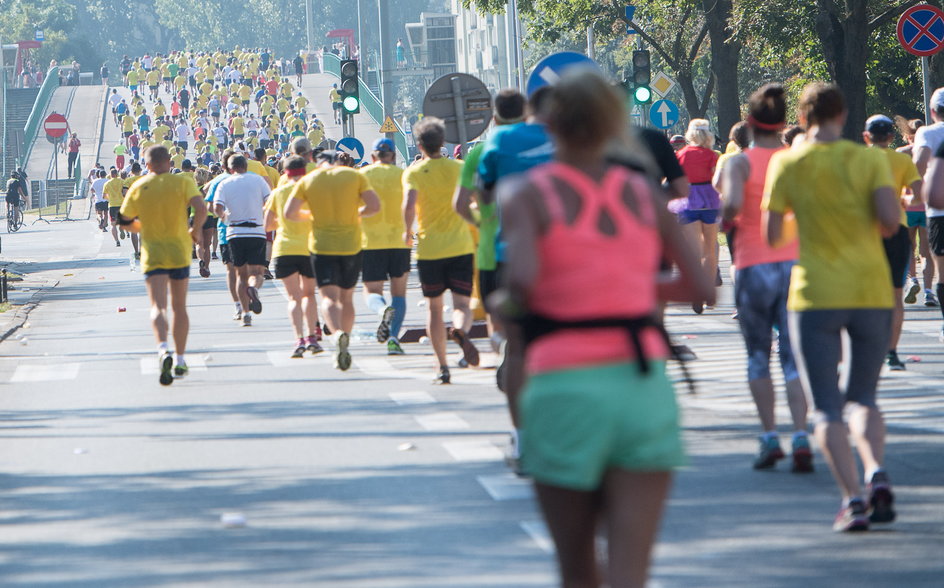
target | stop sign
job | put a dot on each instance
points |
(55, 125)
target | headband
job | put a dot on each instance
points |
(765, 126)
(296, 173)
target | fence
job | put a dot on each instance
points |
(370, 102)
(31, 130)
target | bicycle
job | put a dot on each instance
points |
(14, 218)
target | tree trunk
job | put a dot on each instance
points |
(725, 55)
(844, 35)
(693, 104)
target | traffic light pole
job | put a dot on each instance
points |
(386, 50)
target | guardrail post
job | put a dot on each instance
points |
(3, 286)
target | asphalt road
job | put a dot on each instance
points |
(376, 477)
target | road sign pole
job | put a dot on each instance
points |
(926, 76)
(460, 112)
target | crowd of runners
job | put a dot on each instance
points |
(574, 230)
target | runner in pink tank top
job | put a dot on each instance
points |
(598, 414)
(762, 281)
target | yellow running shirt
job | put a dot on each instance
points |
(904, 173)
(161, 202)
(334, 198)
(113, 191)
(441, 232)
(829, 187)
(292, 236)
(384, 230)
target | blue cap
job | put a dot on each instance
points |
(384, 144)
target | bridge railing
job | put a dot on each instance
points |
(369, 102)
(35, 120)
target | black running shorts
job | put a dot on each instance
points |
(936, 235)
(337, 270)
(287, 265)
(898, 252)
(380, 264)
(248, 251)
(451, 273)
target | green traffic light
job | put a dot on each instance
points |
(642, 95)
(350, 104)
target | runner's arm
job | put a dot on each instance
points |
(371, 203)
(933, 190)
(199, 217)
(462, 203)
(887, 209)
(731, 182)
(409, 214)
(922, 159)
(692, 283)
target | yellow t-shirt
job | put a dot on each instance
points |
(259, 169)
(334, 197)
(384, 230)
(113, 191)
(130, 181)
(441, 232)
(133, 77)
(829, 187)
(904, 173)
(127, 123)
(153, 77)
(180, 81)
(292, 236)
(161, 202)
(177, 159)
(334, 95)
(244, 92)
(237, 124)
(300, 102)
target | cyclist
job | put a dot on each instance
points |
(15, 193)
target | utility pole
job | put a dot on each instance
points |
(308, 19)
(386, 50)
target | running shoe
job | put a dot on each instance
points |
(204, 270)
(930, 299)
(698, 307)
(342, 357)
(317, 334)
(853, 516)
(312, 345)
(683, 353)
(469, 352)
(502, 357)
(770, 453)
(255, 304)
(326, 330)
(181, 370)
(239, 314)
(881, 498)
(121, 233)
(117, 243)
(443, 377)
(214, 255)
(912, 296)
(137, 255)
(893, 363)
(300, 348)
(247, 320)
(268, 275)
(166, 365)
(393, 347)
(718, 281)
(735, 316)
(802, 455)
(383, 330)
(463, 363)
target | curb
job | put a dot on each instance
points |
(22, 313)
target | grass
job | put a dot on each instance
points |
(5, 306)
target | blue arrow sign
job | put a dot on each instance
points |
(550, 69)
(352, 147)
(630, 12)
(663, 114)
(39, 35)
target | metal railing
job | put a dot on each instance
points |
(370, 102)
(3, 82)
(31, 130)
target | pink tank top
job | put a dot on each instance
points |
(750, 245)
(586, 274)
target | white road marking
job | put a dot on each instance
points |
(442, 421)
(473, 451)
(538, 531)
(34, 372)
(410, 398)
(506, 487)
(283, 358)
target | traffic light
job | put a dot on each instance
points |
(349, 87)
(642, 76)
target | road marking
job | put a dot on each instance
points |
(473, 451)
(149, 367)
(442, 421)
(506, 487)
(411, 398)
(282, 358)
(45, 372)
(538, 531)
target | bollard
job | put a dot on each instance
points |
(3, 286)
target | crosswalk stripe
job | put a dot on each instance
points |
(473, 451)
(149, 365)
(42, 372)
(442, 421)
(506, 487)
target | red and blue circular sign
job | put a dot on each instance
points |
(921, 30)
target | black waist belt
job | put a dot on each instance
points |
(535, 326)
(246, 224)
(701, 183)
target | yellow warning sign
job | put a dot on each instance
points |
(389, 126)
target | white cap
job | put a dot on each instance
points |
(937, 99)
